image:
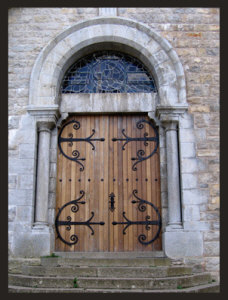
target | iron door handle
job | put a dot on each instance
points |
(111, 196)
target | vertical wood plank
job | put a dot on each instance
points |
(129, 184)
(100, 216)
(89, 162)
(106, 182)
(124, 196)
(148, 185)
(115, 185)
(111, 183)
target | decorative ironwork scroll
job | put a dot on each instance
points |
(140, 153)
(68, 223)
(70, 140)
(142, 207)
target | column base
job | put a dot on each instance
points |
(178, 243)
(40, 226)
(174, 226)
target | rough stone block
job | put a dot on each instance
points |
(215, 225)
(21, 166)
(53, 170)
(211, 248)
(53, 155)
(197, 225)
(25, 214)
(191, 213)
(51, 200)
(191, 165)
(183, 243)
(13, 153)
(31, 244)
(52, 185)
(189, 181)
(163, 184)
(188, 150)
(186, 121)
(187, 135)
(11, 213)
(13, 122)
(195, 196)
(12, 181)
(25, 182)
(54, 138)
(207, 152)
(199, 108)
(20, 197)
(27, 151)
(51, 216)
(17, 137)
(210, 215)
(212, 263)
(162, 155)
(215, 190)
(211, 235)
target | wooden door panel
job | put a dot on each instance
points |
(95, 166)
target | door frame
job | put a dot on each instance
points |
(169, 112)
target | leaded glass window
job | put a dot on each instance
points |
(108, 72)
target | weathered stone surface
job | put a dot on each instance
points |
(25, 213)
(197, 225)
(211, 248)
(180, 244)
(13, 122)
(188, 150)
(20, 197)
(211, 235)
(25, 182)
(21, 166)
(212, 263)
(11, 213)
(191, 212)
(189, 181)
(12, 181)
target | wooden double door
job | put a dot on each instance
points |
(108, 184)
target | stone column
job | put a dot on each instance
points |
(41, 208)
(174, 207)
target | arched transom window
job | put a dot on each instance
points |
(108, 72)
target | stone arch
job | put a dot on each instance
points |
(152, 49)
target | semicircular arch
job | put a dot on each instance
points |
(130, 36)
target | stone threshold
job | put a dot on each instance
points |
(152, 254)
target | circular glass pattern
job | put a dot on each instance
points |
(108, 72)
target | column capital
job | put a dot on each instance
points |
(170, 125)
(46, 116)
(45, 126)
(170, 114)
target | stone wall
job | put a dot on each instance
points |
(194, 34)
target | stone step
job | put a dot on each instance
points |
(145, 254)
(149, 272)
(110, 283)
(206, 288)
(124, 262)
